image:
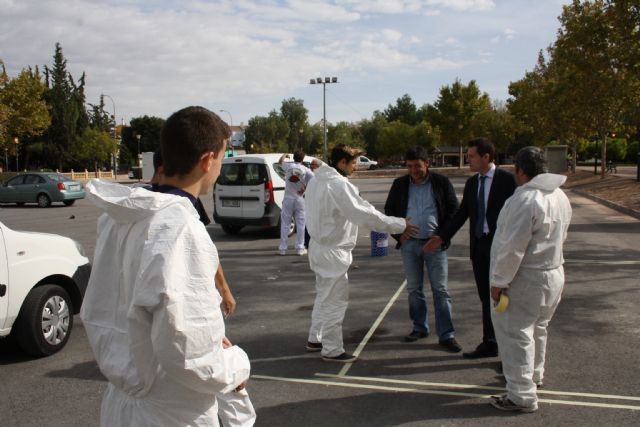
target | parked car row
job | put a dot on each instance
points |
(42, 188)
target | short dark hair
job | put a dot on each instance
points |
(342, 151)
(157, 159)
(187, 135)
(531, 161)
(298, 156)
(483, 146)
(417, 153)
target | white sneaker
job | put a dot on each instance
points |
(282, 252)
(302, 252)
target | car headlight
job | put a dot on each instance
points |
(80, 248)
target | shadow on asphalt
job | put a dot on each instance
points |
(373, 410)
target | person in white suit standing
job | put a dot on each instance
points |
(151, 311)
(527, 266)
(334, 211)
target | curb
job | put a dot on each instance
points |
(607, 203)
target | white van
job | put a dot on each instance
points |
(364, 163)
(250, 191)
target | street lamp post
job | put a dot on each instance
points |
(17, 141)
(115, 140)
(324, 82)
(6, 158)
(138, 136)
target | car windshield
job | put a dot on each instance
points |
(58, 177)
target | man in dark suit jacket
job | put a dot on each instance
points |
(430, 201)
(496, 185)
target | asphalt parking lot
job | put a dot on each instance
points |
(592, 359)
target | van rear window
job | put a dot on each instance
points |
(243, 174)
(230, 174)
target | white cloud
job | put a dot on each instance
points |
(509, 33)
(248, 55)
(463, 5)
(391, 36)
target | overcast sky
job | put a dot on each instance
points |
(246, 56)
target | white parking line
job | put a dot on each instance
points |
(434, 392)
(572, 261)
(477, 387)
(373, 328)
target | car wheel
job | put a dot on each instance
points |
(43, 200)
(45, 320)
(68, 202)
(231, 229)
(372, 167)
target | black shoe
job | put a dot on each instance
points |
(415, 336)
(343, 358)
(451, 344)
(505, 404)
(313, 346)
(485, 349)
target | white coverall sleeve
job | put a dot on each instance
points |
(187, 326)
(363, 213)
(514, 232)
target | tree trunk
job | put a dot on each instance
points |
(603, 164)
(461, 158)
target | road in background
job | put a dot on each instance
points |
(591, 376)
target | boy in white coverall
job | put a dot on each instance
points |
(150, 310)
(296, 177)
(526, 264)
(334, 211)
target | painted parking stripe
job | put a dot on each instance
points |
(433, 392)
(478, 387)
(373, 328)
(572, 261)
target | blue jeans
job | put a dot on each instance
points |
(415, 260)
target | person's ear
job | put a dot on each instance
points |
(206, 160)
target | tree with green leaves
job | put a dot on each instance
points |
(294, 114)
(66, 102)
(92, 149)
(26, 112)
(404, 111)
(267, 134)
(454, 111)
(149, 129)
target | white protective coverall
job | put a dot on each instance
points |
(296, 177)
(151, 312)
(526, 259)
(334, 211)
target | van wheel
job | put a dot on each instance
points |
(45, 320)
(292, 228)
(231, 229)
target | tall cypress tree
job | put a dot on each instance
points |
(68, 116)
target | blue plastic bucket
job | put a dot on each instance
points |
(379, 244)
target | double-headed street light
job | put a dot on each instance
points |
(324, 82)
(115, 140)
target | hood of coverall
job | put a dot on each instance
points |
(126, 204)
(546, 182)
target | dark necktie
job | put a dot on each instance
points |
(481, 209)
